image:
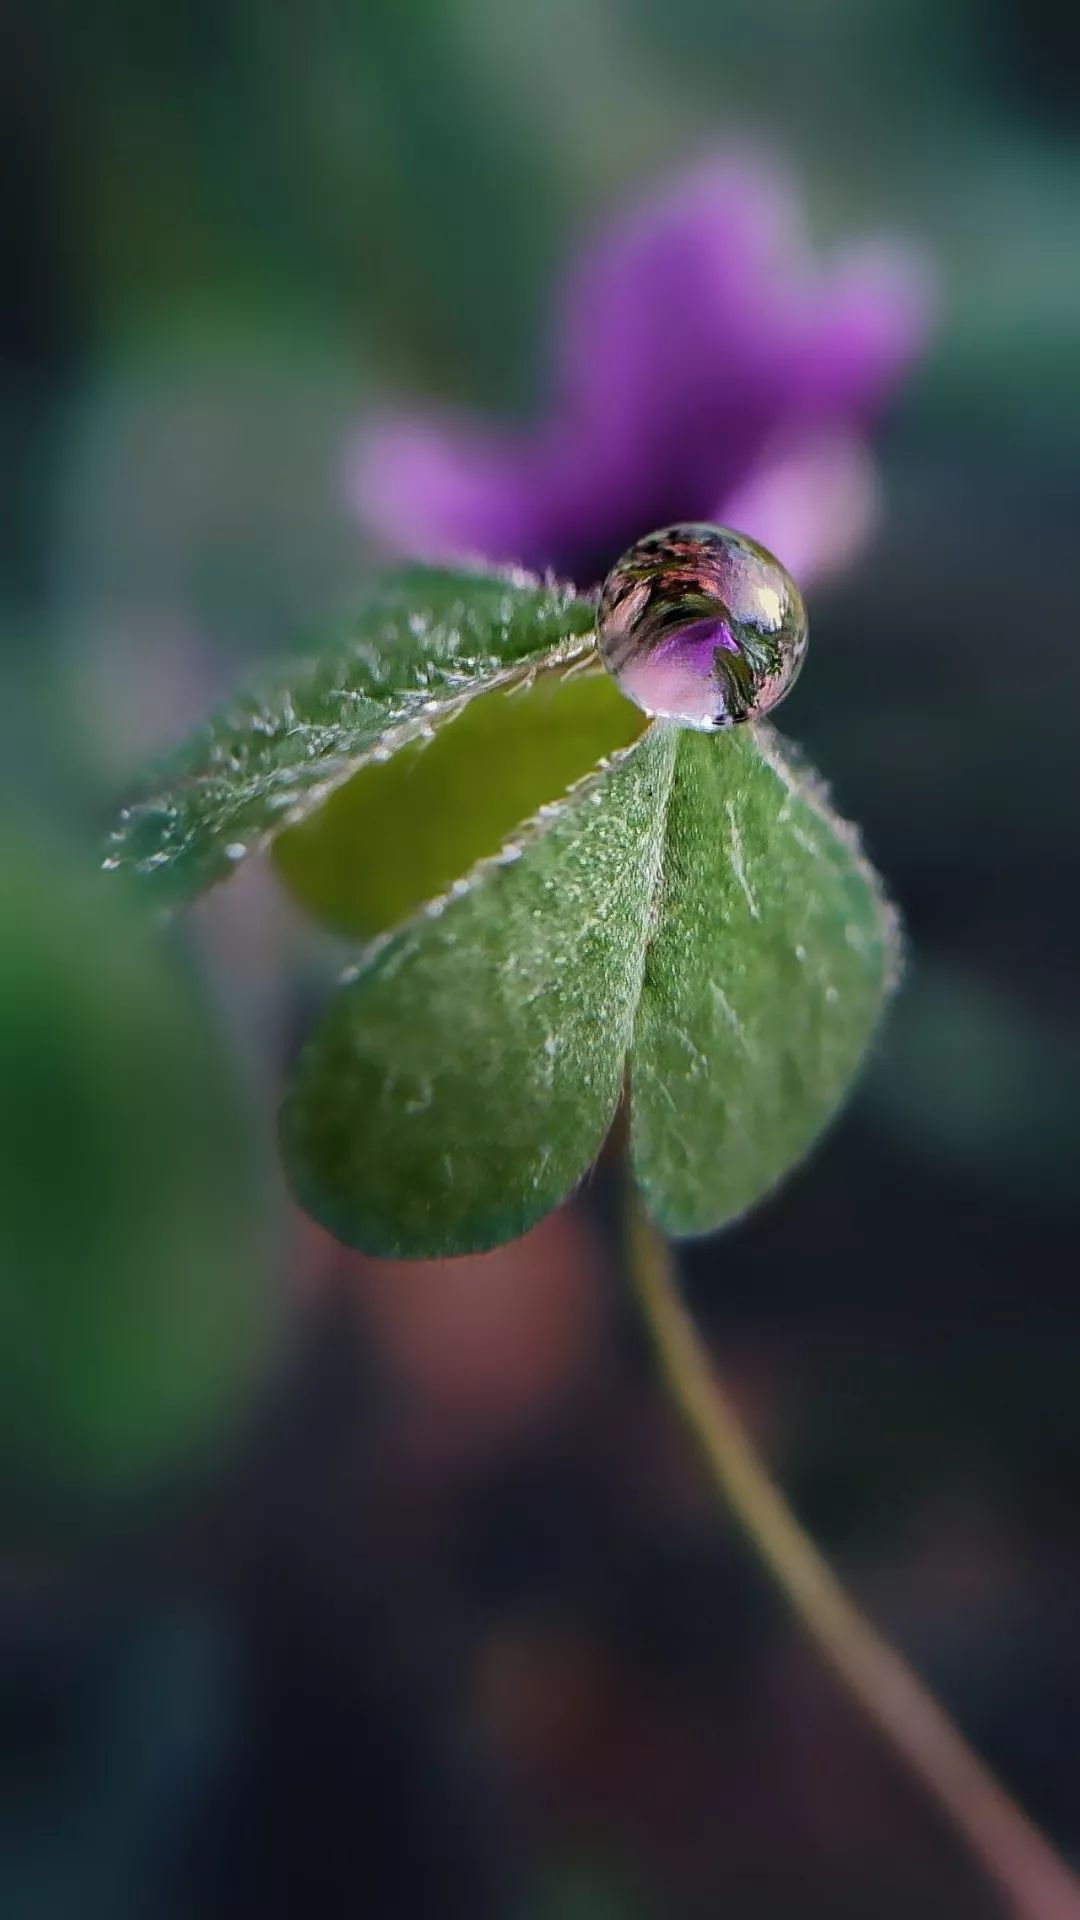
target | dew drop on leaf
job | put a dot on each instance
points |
(701, 625)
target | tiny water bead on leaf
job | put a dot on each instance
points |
(702, 625)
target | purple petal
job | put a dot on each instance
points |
(871, 318)
(814, 503)
(695, 338)
(446, 491)
(668, 290)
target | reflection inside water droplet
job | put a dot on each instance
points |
(701, 625)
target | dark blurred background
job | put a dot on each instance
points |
(334, 1588)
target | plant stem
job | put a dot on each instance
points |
(1009, 1847)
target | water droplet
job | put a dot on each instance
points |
(701, 625)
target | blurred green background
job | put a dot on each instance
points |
(332, 1588)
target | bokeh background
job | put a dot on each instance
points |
(336, 1588)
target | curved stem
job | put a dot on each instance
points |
(1009, 1847)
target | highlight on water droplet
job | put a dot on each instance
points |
(701, 625)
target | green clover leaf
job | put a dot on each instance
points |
(409, 662)
(560, 898)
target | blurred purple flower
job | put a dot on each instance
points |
(705, 368)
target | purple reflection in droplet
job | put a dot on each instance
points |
(696, 644)
(701, 625)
